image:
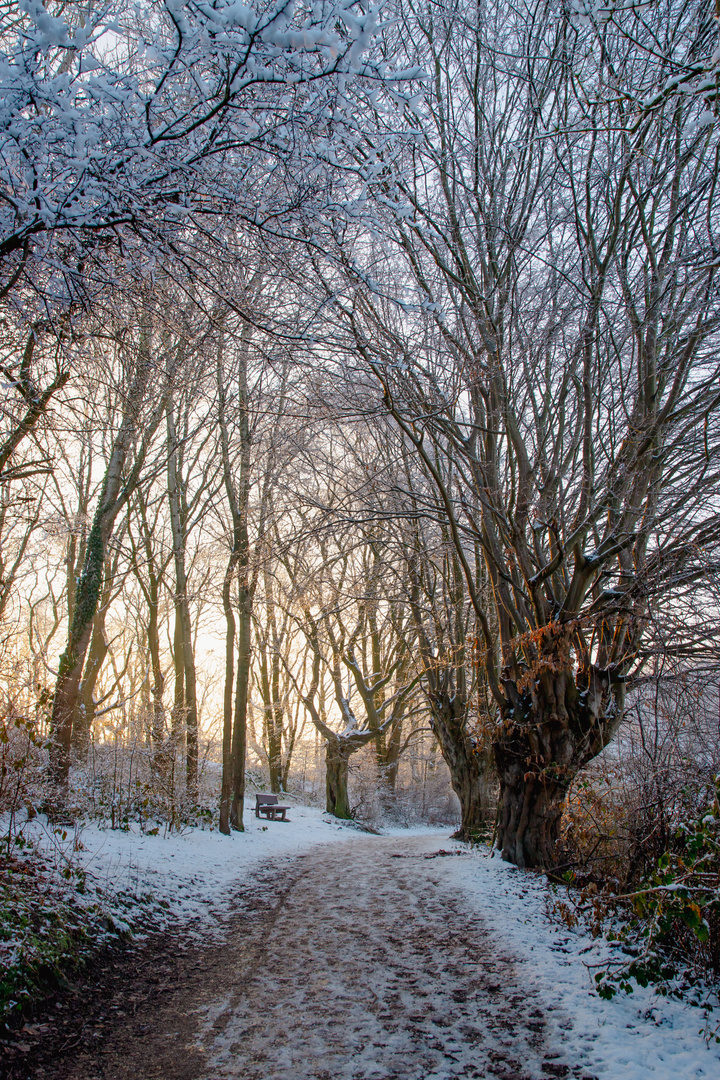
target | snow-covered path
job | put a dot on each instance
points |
(354, 961)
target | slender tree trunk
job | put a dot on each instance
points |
(97, 652)
(184, 621)
(178, 715)
(233, 780)
(272, 715)
(72, 660)
(393, 757)
(158, 680)
(230, 628)
(289, 750)
(387, 756)
(85, 712)
(275, 749)
(113, 496)
(242, 686)
(152, 593)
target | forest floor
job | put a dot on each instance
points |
(401, 957)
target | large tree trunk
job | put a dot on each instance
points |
(470, 764)
(566, 722)
(336, 778)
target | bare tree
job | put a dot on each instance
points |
(354, 643)
(556, 340)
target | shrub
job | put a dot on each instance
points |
(670, 925)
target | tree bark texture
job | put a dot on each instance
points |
(232, 792)
(471, 769)
(85, 712)
(273, 710)
(72, 660)
(184, 638)
(543, 743)
(337, 760)
(230, 628)
(242, 686)
(151, 591)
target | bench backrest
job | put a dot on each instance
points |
(266, 800)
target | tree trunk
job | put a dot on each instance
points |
(242, 686)
(158, 682)
(470, 765)
(97, 652)
(113, 496)
(566, 722)
(85, 712)
(273, 713)
(274, 739)
(184, 637)
(226, 783)
(178, 713)
(392, 760)
(71, 664)
(336, 779)
(233, 780)
(158, 733)
(473, 781)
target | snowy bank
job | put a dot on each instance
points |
(67, 893)
(185, 877)
(641, 1036)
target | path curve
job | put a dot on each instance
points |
(356, 961)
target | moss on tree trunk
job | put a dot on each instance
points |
(71, 665)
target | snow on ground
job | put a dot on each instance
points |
(191, 876)
(640, 1036)
(186, 877)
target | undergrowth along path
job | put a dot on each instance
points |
(353, 962)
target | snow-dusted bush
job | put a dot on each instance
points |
(642, 846)
(21, 759)
(422, 793)
(670, 926)
(120, 785)
(623, 813)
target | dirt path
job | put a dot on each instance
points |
(356, 963)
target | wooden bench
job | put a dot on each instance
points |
(270, 807)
